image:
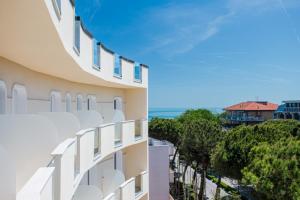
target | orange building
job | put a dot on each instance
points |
(250, 112)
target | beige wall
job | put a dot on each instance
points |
(136, 103)
(135, 159)
(39, 87)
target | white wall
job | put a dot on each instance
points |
(39, 87)
(159, 172)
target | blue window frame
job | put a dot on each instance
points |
(137, 72)
(77, 35)
(96, 54)
(117, 67)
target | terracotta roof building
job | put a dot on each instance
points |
(250, 112)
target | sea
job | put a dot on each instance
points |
(171, 113)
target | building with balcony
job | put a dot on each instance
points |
(288, 110)
(73, 113)
(250, 112)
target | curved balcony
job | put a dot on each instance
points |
(71, 159)
(46, 36)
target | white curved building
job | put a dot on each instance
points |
(73, 114)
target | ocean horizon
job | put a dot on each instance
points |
(171, 113)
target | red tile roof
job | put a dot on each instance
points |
(253, 106)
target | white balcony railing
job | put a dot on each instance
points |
(75, 156)
(133, 188)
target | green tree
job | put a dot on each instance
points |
(198, 114)
(166, 129)
(274, 170)
(199, 139)
(231, 154)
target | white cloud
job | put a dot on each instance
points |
(183, 27)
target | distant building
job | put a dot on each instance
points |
(288, 110)
(250, 112)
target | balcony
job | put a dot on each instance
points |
(292, 109)
(245, 118)
(133, 188)
(72, 158)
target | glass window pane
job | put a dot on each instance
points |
(137, 72)
(77, 35)
(117, 68)
(96, 54)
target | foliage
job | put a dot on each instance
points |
(199, 138)
(274, 169)
(231, 155)
(192, 114)
(165, 129)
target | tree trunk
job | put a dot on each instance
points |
(173, 159)
(201, 194)
(218, 190)
(195, 181)
(183, 181)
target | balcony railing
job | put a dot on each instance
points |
(246, 119)
(291, 109)
(75, 156)
(133, 188)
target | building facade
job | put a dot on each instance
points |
(73, 113)
(159, 171)
(250, 112)
(288, 110)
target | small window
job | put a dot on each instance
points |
(19, 99)
(137, 72)
(55, 101)
(77, 26)
(118, 103)
(68, 102)
(91, 102)
(96, 54)
(3, 97)
(57, 7)
(117, 67)
(79, 103)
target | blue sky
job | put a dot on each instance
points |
(208, 53)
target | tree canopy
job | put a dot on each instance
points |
(274, 169)
(166, 129)
(194, 114)
(232, 154)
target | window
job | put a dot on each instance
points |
(96, 54)
(118, 103)
(91, 102)
(3, 95)
(19, 99)
(79, 102)
(68, 102)
(57, 7)
(77, 35)
(55, 101)
(117, 67)
(137, 72)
